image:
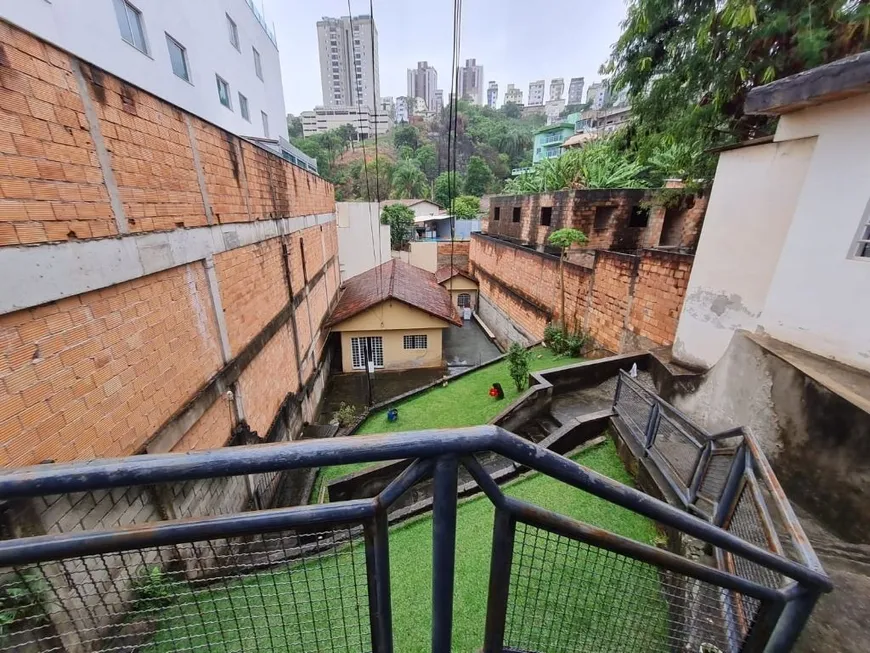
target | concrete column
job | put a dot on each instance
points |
(200, 175)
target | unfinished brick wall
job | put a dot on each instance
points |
(210, 431)
(267, 381)
(624, 301)
(605, 216)
(53, 186)
(459, 256)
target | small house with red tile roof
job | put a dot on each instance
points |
(393, 316)
(460, 284)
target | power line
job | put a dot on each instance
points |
(453, 129)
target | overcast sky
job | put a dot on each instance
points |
(516, 41)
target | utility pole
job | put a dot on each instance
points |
(370, 363)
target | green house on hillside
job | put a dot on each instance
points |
(548, 141)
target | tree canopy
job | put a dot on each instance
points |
(447, 186)
(478, 176)
(466, 207)
(409, 181)
(401, 221)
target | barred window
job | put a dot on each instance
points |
(416, 342)
(463, 300)
(358, 351)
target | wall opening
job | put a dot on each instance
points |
(546, 216)
(516, 214)
(672, 227)
(496, 214)
(639, 216)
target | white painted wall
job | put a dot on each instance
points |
(820, 297)
(363, 242)
(774, 253)
(89, 30)
(748, 217)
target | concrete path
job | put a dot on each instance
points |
(467, 346)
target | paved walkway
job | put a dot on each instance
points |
(467, 346)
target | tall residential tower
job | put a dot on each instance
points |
(575, 90)
(492, 95)
(349, 74)
(422, 83)
(471, 82)
(536, 93)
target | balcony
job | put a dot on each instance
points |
(331, 577)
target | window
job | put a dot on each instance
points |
(234, 33)
(546, 215)
(243, 107)
(862, 243)
(463, 300)
(602, 216)
(224, 92)
(375, 346)
(496, 214)
(131, 25)
(258, 65)
(639, 217)
(178, 58)
(416, 342)
(516, 214)
(265, 123)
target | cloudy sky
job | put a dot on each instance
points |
(516, 41)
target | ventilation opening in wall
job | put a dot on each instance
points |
(602, 216)
(639, 217)
(496, 214)
(546, 216)
(672, 227)
(516, 214)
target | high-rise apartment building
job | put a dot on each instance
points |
(599, 95)
(513, 95)
(217, 59)
(423, 83)
(575, 90)
(470, 79)
(349, 74)
(402, 113)
(557, 89)
(536, 93)
(439, 100)
(492, 95)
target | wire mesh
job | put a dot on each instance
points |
(676, 448)
(289, 591)
(747, 523)
(633, 406)
(567, 596)
(716, 474)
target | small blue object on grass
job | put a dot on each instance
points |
(392, 414)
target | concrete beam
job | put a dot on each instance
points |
(37, 274)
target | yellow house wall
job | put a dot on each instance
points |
(392, 320)
(459, 283)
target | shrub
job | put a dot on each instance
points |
(553, 338)
(563, 344)
(345, 414)
(20, 598)
(518, 364)
(152, 589)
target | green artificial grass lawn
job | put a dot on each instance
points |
(464, 402)
(323, 603)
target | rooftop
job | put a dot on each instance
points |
(446, 272)
(397, 280)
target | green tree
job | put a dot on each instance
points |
(688, 66)
(564, 238)
(405, 153)
(427, 159)
(518, 358)
(406, 135)
(373, 181)
(511, 110)
(294, 126)
(447, 186)
(409, 181)
(466, 207)
(478, 176)
(401, 221)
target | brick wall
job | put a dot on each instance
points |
(605, 216)
(459, 256)
(624, 301)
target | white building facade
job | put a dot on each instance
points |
(217, 59)
(557, 89)
(349, 69)
(492, 95)
(536, 93)
(366, 122)
(470, 82)
(513, 95)
(799, 209)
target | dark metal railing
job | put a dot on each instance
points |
(317, 578)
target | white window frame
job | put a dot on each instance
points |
(358, 361)
(258, 63)
(220, 80)
(126, 8)
(265, 118)
(460, 297)
(169, 43)
(415, 342)
(244, 110)
(234, 33)
(860, 250)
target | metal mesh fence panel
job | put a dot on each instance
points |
(716, 474)
(678, 450)
(633, 407)
(747, 523)
(289, 591)
(567, 596)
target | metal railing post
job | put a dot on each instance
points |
(791, 623)
(732, 485)
(700, 471)
(376, 532)
(652, 426)
(443, 552)
(503, 532)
